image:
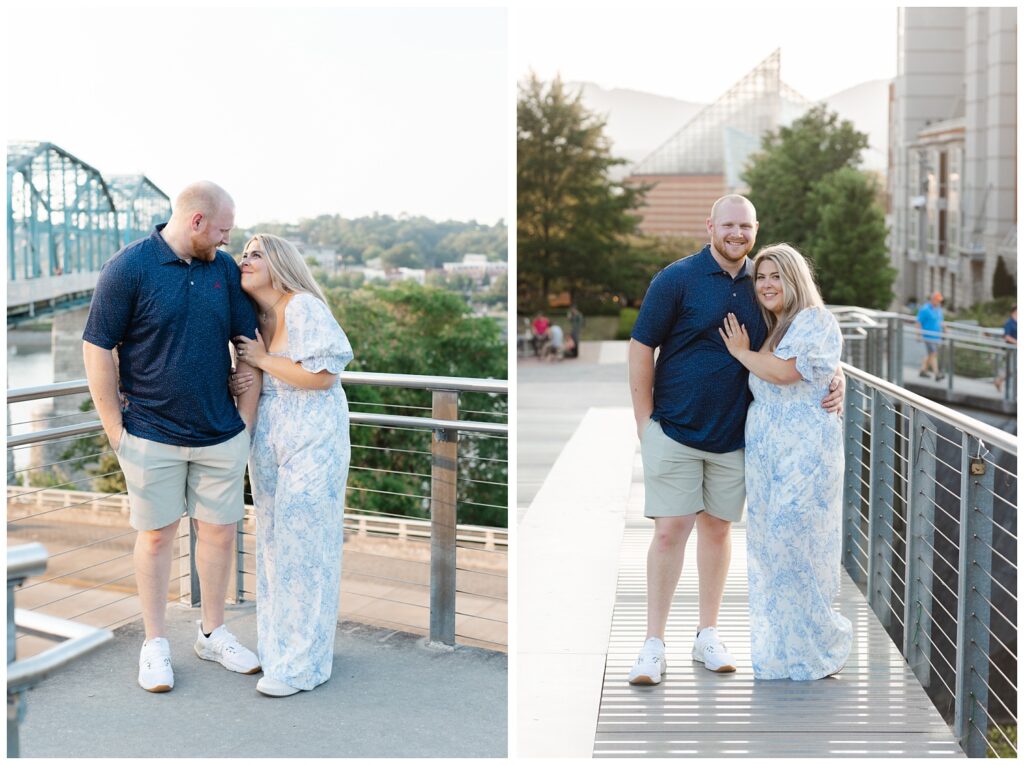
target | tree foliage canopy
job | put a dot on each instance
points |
(808, 192)
(572, 219)
(414, 242)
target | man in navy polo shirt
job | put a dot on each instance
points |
(169, 304)
(690, 412)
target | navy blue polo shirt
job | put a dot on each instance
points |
(700, 391)
(171, 322)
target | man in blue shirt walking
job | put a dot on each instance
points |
(690, 412)
(929, 318)
(169, 304)
(1010, 337)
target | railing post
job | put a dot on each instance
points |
(195, 595)
(240, 561)
(851, 501)
(970, 722)
(880, 513)
(952, 366)
(444, 454)
(917, 601)
(15, 699)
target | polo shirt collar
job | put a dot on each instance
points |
(711, 265)
(164, 252)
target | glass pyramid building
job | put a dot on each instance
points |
(706, 157)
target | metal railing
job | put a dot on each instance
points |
(971, 358)
(930, 534)
(449, 573)
(25, 561)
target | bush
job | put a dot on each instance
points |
(627, 318)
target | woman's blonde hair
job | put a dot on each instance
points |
(288, 271)
(798, 288)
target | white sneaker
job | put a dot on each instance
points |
(224, 647)
(650, 664)
(155, 673)
(709, 649)
(270, 687)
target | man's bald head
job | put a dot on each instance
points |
(203, 217)
(203, 197)
(730, 199)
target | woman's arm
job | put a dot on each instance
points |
(254, 353)
(764, 365)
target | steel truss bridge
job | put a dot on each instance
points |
(65, 219)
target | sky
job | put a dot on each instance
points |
(295, 111)
(694, 52)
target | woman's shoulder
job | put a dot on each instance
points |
(306, 304)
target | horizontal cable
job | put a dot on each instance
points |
(387, 600)
(482, 618)
(90, 544)
(38, 582)
(936, 602)
(390, 449)
(58, 487)
(954, 468)
(66, 507)
(394, 472)
(480, 640)
(994, 724)
(52, 418)
(482, 504)
(62, 462)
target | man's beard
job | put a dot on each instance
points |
(203, 251)
(722, 248)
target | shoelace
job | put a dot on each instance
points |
(226, 643)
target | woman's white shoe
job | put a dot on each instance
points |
(270, 687)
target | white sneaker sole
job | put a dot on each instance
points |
(211, 656)
(719, 668)
(644, 680)
(161, 688)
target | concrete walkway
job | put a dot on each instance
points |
(390, 695)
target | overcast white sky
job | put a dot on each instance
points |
(295, 111)
(694, 52)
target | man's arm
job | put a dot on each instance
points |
(248, 401)
(101, 373)
(641, 382)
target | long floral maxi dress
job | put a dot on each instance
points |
(794, 477)
(298, 467)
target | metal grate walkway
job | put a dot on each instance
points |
(874, 708)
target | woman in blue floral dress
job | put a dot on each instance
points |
(794, 475)
(298, 466)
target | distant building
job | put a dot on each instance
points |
(704, 160)
(476, 266)
(953, 152)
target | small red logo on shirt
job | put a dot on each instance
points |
(216, 285)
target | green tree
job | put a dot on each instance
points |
(807, 190)
(572, 219)
(791, 162)
(1003, 284)
(847, 243)
(409, 329)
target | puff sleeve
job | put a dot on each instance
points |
(815, 340)
(314, 338)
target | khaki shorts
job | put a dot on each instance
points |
(680, 480)
(166, 482)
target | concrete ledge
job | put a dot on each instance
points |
(567, 576)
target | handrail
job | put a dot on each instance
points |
(80, 639)
(974, 427)
(382, 379)
(26, 560)
(357, 418)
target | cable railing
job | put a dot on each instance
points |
(971, 358)
(426, 543)
(930, 529)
